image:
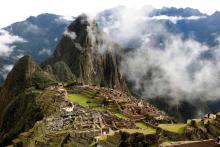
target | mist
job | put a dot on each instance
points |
(162, 63)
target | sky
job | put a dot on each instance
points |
(17, 10)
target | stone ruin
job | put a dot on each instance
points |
(136, 109)
(77, 119)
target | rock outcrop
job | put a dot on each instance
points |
(91, 57)
(61, 72)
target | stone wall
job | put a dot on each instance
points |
(138, 139)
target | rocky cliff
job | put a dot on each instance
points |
(92, 58)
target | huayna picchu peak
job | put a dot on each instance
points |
(78, 97)
(90, 56)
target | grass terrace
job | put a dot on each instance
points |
(120, 115)
(144, 131)
(142, 128)
(86, 101)
(175, 128)
(141, 125)
(95, 103)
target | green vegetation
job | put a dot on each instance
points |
(143, 128)
(197, 121)
(86, 101)
(104, 137)
(144, 131)
(63, 73)
(120, 115)
(141, 125)
(176, 128)
(80, 99)
(24, 110)
(42, 80)
(215, 129)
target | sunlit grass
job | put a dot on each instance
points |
(144, 131)
(176, 128)
(141, 125)
(79, 99)
(120, 115)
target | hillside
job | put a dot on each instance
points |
(79, 97)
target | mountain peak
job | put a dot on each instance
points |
(81, 24)
(216, 14)
(173, 11)
(84, 57)
(25, 73)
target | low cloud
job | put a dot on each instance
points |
(5, 70)
(65, 19)
(175, 19)
(6, 43)
(179, 69)
(44, 51)
(163, 63)
(72, 35)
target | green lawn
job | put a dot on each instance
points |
(176, 128)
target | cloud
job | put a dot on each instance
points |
(43, 51)
(6, 42)
(124, 24)
(65, 19)
(128, 26)
(5, 70)
(164, 64)
(175, 19)
(29, 27)
(72, 35)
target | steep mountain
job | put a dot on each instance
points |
(204, 30)
(172, 11)
(90, 56)
(41, 34)
(25, 74)
(19, 109)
